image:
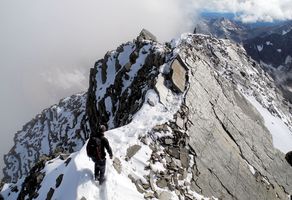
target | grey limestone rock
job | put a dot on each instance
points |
(162, 183)
(149, 195)
(178, 76)
(165, 195)
(229, 136)
(146, 35)
(117, 165)
(132, 150)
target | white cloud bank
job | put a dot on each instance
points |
(250, 10)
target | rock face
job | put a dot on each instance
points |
(270, 45)
(119, 81)
(227, 135)
(132, 150)
(222, 27)
(58, 128)
(275, 52)
(217, 144)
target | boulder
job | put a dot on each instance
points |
(168, 141)
(174, 152)
(288, 157)
(59, 180)
(184, 157)
(149, 195)
(139, 186)
(146, 35)
(151, 181)
(161, 89)
(117, 165)
(131, 151)
(180, 122)
(160, 128)
(162, 183)
(165, 195)
(178, 75)
(50, 194)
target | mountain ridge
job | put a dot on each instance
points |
(198, 116)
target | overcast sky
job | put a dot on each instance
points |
(48, 46)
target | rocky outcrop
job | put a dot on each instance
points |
(32, 182)
(61, 128)
(132, 150)
(216, 145)
(288, 157)
(226, 133)
(178, 75)
(274, 51)
(119, 81)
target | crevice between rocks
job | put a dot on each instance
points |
(227, 190)
(240, 150)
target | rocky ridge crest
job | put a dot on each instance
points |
(217, 144)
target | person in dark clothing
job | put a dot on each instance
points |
(96, 151)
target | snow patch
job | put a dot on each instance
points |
(288, 59)
(260, 47)
(282, 135)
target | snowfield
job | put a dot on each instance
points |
(282, 135)
(78, 183)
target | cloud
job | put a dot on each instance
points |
(65, 79)
(48, 46)
(250, 10)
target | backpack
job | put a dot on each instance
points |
(93, 148)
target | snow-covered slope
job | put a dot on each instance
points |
(182, 127)
(274, 51)
(77, 170)
(58, 128)
(118, 82)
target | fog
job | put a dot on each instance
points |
(48, 46)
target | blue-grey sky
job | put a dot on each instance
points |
(48, 46)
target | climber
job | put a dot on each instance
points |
(96, 151)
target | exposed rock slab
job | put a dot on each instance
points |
(146, 35)
(117, 165)
(228, 140)
(132, 150)
(178, 76)
(161, 89)
(165, 195)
